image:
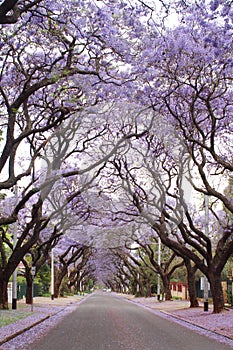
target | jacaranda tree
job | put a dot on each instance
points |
(137, 93)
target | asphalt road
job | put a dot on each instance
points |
(107, 322)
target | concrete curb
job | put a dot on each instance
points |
(5, 340)
(194, 324)
(157, 311)
(36, 323)
(26, 328)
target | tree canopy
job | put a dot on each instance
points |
(116, 116)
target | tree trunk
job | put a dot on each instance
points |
(3, 294)
(191, 282)
(57, 284)
(166, 287)
(192, 292)
(141, 289)
(216, 291)
(148, 288)
(58, 277)
(29, 290)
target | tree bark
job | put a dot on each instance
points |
(141, 289)
(57, 283)
(192, 292)
(29, 290)
(166, 287)
(216, 291)
(148, 288)
(191, 282)
(3, 294)
(58, 276)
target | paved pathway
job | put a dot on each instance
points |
(45, 308)
(105, 321)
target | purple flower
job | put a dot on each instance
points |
(214, 5)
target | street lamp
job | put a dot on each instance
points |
(14, 276)
(52, 274)
(137, 288)
(206, 289)
(159, 263)
(33, 272)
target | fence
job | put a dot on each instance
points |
(180, 290)
(21, 290)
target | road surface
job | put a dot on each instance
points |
(107, 322)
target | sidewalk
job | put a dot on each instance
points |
(218, 323)
(43, 308)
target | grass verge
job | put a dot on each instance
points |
(11, 316)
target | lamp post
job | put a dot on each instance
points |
(52, 274)
(33, 272)
(80, 286)
(138, 288)
(159, 263)
(14, 276)
(206, 289)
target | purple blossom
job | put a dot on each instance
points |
(214, 5)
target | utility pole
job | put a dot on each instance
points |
(138, 277)
(33, 272)
(206, 289)
(52, 274)
(14, 276)
(159, 263)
